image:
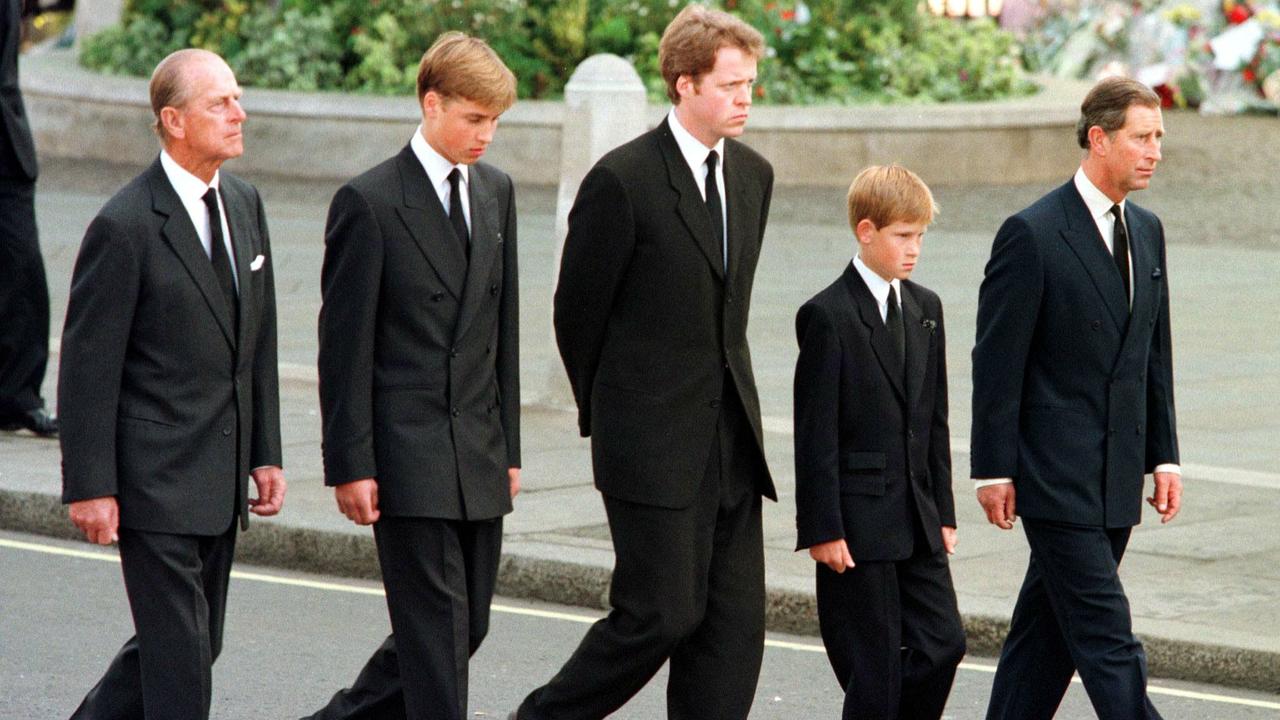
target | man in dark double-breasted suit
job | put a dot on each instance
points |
(168, 390)
(419, 381)
(651, 317)
(1072, 404)
(873, 462)
(24, 291)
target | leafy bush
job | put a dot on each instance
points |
(820, 51)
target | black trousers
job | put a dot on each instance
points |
(439, 576)
(1071, 615)
(24, 301)
(688, 587)
(177, 586)
(893, 634)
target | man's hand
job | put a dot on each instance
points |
(998, 501)
(358, 500)
(1168, 497)
(513, 478)
(833, 553)
(949, 539)
(271, 487)
(97, 518)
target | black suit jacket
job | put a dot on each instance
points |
(160, 404)
(870, 438)
(419, 350)
(17, 152)
(1072, 391)
(649, 325)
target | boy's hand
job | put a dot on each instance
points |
(949, 539)
(834, 554)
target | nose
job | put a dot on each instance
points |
(486, 132)
(237, 114)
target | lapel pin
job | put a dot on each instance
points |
(1155, 274)
(257, 263)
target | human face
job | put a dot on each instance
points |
(457, 128)
(715, 105)
(893, 250)
(206, 130)
(1128, 156)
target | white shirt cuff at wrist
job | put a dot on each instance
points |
(978, 484)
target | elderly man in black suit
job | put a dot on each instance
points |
(24, 292)
(651, 319)
(168, 390)
(420, 380)
(1072, 404)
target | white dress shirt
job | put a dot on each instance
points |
(1099, 206)
(438, 169)
(191, 191)
(879, 287)
(695, 154)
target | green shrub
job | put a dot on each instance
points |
(820, 51)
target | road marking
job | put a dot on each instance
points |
(106, 556)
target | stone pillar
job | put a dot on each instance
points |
(605, 107)
(94, 15)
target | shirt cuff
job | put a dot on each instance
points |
(1168, 468)
(978, 484)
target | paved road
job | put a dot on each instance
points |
(292, 639)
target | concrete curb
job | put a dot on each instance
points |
(569, 583)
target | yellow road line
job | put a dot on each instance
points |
(105, 556)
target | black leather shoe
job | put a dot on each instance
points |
(37, 420)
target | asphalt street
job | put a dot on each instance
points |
(293, 639)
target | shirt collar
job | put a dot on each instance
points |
(437, 167)
(694, 152)
(190, 188)
(878, 286)
(1094, 199)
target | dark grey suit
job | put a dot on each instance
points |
(24, 291)
(420, 389)
(167, 409)
(652, 330)
(1073, 399)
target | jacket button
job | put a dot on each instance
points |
(1138, 430)
(437, 296)
(226, 432)
(1151, 322)
(1096, 325)
(455, 411)
(493, 289)
(714, 403)
(911, 434)
(453, 352)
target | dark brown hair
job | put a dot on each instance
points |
(1108, 103)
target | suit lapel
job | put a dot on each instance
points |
(484, 248)
(1081, 234)
(741, 213)
(181, 237)
(691, 206)
(869, 312)
(428, 224)
(1143, 261)
(242, 238)
(917, 343)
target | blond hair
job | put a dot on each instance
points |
(886, 194)
(461, 66)
(691, 41)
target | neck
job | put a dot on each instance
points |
(1096, 174)
(700, 134)
(202, 168)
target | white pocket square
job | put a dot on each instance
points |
(256, 265)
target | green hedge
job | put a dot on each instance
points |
(820, 51)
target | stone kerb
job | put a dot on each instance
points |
(79, 114)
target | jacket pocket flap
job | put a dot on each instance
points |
(862, 485)
(864, 461)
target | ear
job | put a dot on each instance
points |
(171, 120)
(864, 230)
(1097, 140)
(686, 86)
(431, 103)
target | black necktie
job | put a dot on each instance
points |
(1120, 248)
(713, 206)
(456, 218)
(221, 261)
(893, 323)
